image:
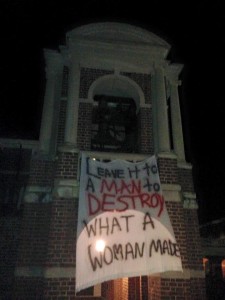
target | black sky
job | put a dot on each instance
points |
(196, 32)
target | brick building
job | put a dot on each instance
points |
(213, 245)
(92, 82)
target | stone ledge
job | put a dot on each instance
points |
(38, 194)
(66, 188)
(171, 192)
(189, 200)
(69, 272)
(68, 148)
(51, 272)
(170, 155)
(184, 165)
(89, 297)
(186, 274)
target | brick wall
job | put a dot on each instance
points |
(193, 289)
(15, 159)
(175, 289)
(62, 233)
(186, 180)
(134, 288)
(34, 232)
(66, 165)
(118, 288)
(9, 237)
(145, 131)
(154, 287)
(10, 191)
(11, 180)
(64, 91)
(176, 214)
(28, 288)
(144, 82)
(14, 175)
(179, 289)
(168, 170)
(84, 126)
(33, 243)
(195, 254)
(41, 172)
(61, 122)
(144, 288)
(108, 290)
(59, 288)
(125, 289)
(198, 289)
(87, 77)
(48, 233)
(61, 251)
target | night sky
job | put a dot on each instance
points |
(196, 32)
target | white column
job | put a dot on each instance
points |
(53, 67)
(177, 131)
(154, 113)
(161, 111)
(72, 105)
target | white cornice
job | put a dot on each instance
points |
(123, 57)
(118, 65)
(173, 72)
(53, 61)
(118, 47)
(15, 143)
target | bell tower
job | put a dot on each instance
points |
(112, 94)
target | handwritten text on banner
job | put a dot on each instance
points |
(123, 226)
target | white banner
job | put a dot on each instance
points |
(123, 226)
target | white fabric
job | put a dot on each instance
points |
(121, 204)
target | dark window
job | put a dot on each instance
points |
(114, 124)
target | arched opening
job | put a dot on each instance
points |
(114, 124)
(115, 115)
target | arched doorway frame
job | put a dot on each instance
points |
(127, 86)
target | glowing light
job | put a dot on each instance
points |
(100, 245)
(223, 268)
(205, 264)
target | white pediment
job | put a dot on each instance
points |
(117, 32)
